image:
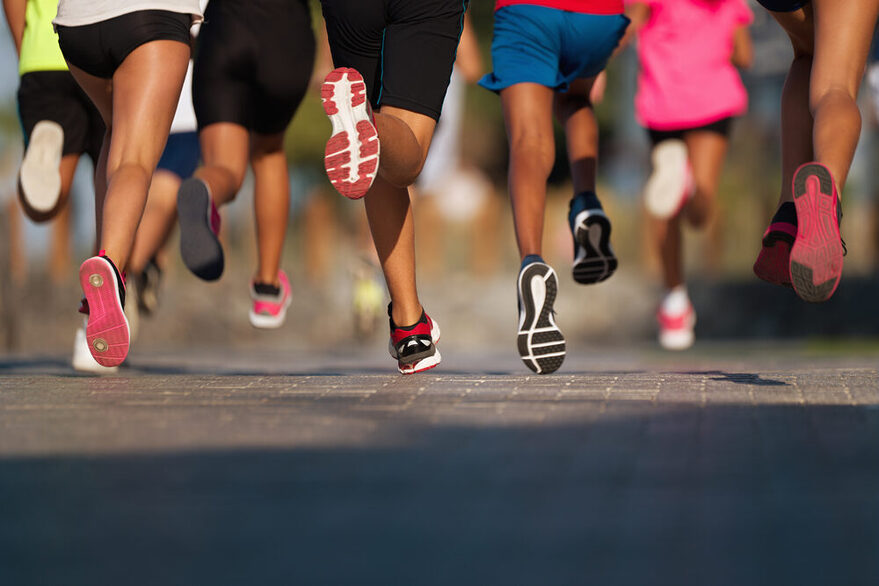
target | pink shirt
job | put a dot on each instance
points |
(585, 6)
(686, 77)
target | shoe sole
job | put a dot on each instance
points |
(677, 340)
(540, 342)
(39, 177)
(352, 153)
(107, 333)
(595, 260)
(665, 190)
(200, 248)
(816, 256)
(83, 361)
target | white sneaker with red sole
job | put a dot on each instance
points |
(352, 153)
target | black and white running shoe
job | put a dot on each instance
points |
(199, 221)
(594, 260)
(541, 343)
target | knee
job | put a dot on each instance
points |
(568, 104)
(837, 93)
(532, 146)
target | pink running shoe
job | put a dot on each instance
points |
(816, 255)
(352, 153)
(676, 329)
(107, 332)
(773, 262)
(270, 303)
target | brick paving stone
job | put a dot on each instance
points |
(727, 465)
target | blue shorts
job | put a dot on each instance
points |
(181, 154)
(536, 44)
(783, 5)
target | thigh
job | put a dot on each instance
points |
(843, 32)
(421, 41)
(706, 151)
(225, 145)
(146, 89)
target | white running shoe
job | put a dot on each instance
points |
(82, 360)
(39, 177)
(352, 153)
(670, 184)
(540, 341)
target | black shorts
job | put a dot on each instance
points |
(783, 5)
(253, 62)
(721, 127)
(55, 96)
(99, 49)
(405, 49)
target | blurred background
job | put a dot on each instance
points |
(467, 261)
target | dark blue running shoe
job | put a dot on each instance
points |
(594, 260)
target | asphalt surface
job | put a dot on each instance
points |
(734, 464)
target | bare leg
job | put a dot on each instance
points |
(59, 256)
(528, 115)
(224, 150)
(667, 236)
(574, 110)
(159, 217)
(271, 203)
(706, 151)
(833, 42)
(405, 138)
(138, 112)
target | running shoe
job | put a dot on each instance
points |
(149, 282)
(816, 255)
(352, 153)
(594, 260)
(414, 347)
(39, 178)
(270, 303)
(82, 360)
(540, 341)
(670, 184)
(199, 230)
(676, 328)
(107, 333)
(773, 262)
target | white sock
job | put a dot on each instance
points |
(676, 301)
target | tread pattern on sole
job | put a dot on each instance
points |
(595, 261)
(540, 342)
(200, 248)
(351, 157)
(816, 256)
(107, 332)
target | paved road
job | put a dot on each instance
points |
(736, 465)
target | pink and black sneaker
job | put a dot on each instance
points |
(414, 346)
(817, 251)
(107, 333)
(773, 262)
(199, 220)
(352, 153)
(270, 303)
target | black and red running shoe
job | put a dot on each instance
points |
(414, 346)
(352, 153)
(773, 262)
(817, 251)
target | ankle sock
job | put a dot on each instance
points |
(529, 259)
(676, 300)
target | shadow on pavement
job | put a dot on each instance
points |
(715, 495)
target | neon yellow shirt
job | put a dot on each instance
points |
(39, 43)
